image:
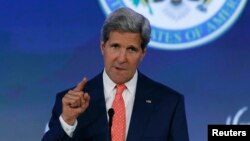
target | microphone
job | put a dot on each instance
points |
(111, 113)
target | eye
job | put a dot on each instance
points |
(115, 46)
(133, 49)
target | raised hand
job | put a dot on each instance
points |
(75, 102)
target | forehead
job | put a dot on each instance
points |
(125, 37)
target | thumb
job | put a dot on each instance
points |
(81, 85)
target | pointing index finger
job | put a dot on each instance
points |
(81, 85)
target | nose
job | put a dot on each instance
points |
(122, 57)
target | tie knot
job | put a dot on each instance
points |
(120, 88)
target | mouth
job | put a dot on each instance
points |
(120, 68)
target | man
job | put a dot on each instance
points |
(144, 110)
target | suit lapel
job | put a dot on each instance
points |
(143, 106)
(99, 101)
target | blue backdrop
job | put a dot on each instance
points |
(47, 46)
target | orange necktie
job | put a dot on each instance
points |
(119, 119)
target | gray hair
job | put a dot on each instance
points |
(127, 20)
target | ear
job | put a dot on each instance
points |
(144, 51)
(102, 46)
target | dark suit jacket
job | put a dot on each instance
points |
(158, 115)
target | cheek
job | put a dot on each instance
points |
(108, 58)
(135, 62)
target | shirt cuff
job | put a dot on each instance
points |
(69, 129)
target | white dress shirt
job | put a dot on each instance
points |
(109, 94)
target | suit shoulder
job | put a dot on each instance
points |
(160, 88)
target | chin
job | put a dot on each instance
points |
(119, 80)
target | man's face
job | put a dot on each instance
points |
(122, 54)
